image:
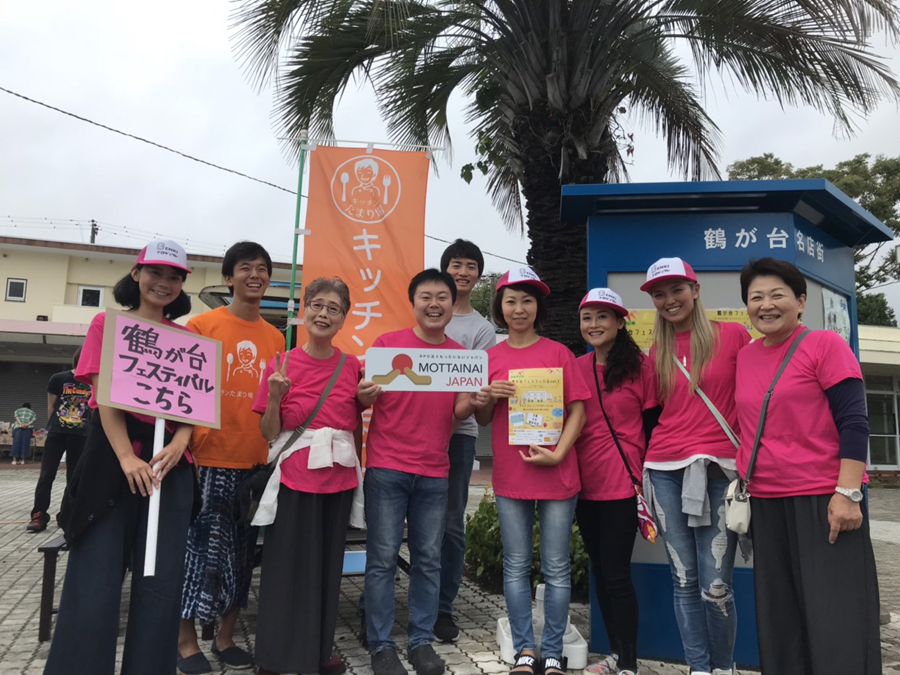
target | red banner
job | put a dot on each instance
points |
(366, 218)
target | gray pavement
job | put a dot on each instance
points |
(475, 653)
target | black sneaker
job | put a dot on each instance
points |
(445, 628)
(425, 661)
(386, 662)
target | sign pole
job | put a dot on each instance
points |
(159, 435)
(291, 314)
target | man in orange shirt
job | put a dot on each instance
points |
(219, 560)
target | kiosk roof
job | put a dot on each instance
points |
(816, 200)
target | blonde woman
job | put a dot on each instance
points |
(691, 459)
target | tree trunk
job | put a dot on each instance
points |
(558, 251)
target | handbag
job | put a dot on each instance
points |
(737, 496)
(250, 491)
(646, 522)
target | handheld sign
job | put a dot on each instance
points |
(536, 411)
(153, 369)
(427, 369)
(169, 373)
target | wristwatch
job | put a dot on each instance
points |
(850, 493)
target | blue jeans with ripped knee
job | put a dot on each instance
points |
(701, 560)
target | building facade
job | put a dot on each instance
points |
(51, 292)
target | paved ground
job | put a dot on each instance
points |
(476, 652)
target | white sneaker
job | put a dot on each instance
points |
(720, 671)
(605, 667)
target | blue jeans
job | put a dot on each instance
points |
(21, 447)
(453, 550)
(391, 497)
(516, 527)
(701, 560)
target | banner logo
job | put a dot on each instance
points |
(366, 189)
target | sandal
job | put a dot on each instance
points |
(526, 664)
(554, 666)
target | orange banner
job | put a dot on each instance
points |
(366, 218)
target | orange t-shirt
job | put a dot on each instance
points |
(247, 346)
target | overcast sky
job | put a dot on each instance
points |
(167, 72)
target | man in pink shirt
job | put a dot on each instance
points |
(407, 466)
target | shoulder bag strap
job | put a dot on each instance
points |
(298, 432)
(712, 408)
(634, 481)
(765, 404)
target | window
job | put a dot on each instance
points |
(879, 383)
(15, 290)
(90, 296)
(881, 403)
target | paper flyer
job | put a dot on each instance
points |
(536, 409)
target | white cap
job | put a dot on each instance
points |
(523, 275)
(164, 252)
(668, 268)
(604, 297)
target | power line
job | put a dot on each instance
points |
(196, 159)
(144, 140)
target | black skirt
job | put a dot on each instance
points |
(300, 584)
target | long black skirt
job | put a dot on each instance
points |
(300, 585)
(816, 603)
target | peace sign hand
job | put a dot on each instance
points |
(279, 382)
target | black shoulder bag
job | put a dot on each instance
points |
(646, 522)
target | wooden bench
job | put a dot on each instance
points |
(51, 550)
(354, 564)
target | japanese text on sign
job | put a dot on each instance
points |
(717, 238)
(158, 370)
(640, 322)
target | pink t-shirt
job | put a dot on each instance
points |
(308, 376)
(687, 427)
(512, 476)
(410, 431)
(799, 450)
(603, 473)
(89, 365)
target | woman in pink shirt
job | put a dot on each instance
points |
(306, 506)
(816, 585)
(104, 510)
(691, 459)
(623, 390)
(529, 475)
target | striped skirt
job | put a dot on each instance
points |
(219, 559)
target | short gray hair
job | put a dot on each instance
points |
(334, 285)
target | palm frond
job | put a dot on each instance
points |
(666, 102)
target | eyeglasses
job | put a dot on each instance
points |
(316, 306)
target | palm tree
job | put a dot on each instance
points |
(549, 81)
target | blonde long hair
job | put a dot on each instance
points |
(703, 349)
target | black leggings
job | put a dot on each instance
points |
(608, 530)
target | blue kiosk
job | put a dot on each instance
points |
(717, 227)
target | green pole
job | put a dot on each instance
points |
(292, 314)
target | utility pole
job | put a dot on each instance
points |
(94, 231)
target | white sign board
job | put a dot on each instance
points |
(837, 313)
(427, 369)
